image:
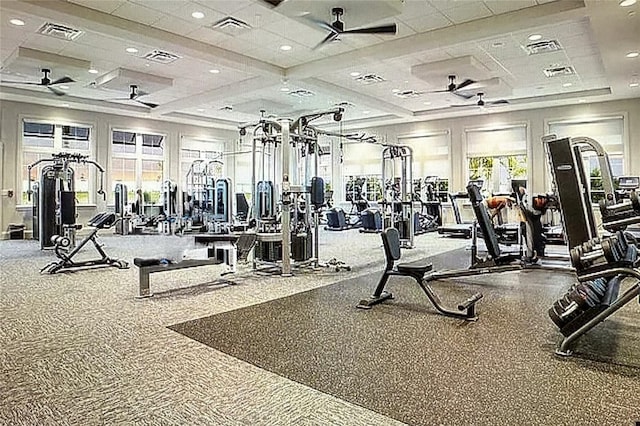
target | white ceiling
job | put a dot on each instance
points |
(595, 36)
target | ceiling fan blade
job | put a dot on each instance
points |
(499, 102)
(464, 84)
(56, 91)
(149, 104)
(322, 24)
(383, 29)
(329, 38)
(462, 95)
(463, 106)
(62, 81)
(117, 99)
(274, 3)
(30, 83)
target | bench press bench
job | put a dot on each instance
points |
(233, 247)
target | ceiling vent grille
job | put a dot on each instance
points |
(230, 25)
(558, 71)
(227, 108)
(407, 94)
(370, 79)
(161, 57)
(59, 31)
(301, 93)
(542, 47)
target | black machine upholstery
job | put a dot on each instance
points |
(484, 221)
(391, 243)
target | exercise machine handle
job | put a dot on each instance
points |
(470, 302)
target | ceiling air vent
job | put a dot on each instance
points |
(406, 94)
(230, 25)
(59, 31)
(558, 71)
(301, 93)
(370, 78)
(542, 47)
(227, 108)
(161, 57)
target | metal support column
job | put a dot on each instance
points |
(286, 198)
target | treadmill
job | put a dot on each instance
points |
(460, 228)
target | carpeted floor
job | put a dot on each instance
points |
(78, 349)
(403, 360)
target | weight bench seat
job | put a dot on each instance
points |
(416, 270)
(149, 266)
(417, 267)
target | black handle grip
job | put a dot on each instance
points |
(470, 301)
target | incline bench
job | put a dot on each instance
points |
(234, 247)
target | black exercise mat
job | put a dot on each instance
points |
(404, 360)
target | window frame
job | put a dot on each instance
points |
(58, 147)
(139, 156)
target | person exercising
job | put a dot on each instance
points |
(496, 203)
(532, 208)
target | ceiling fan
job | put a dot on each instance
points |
(134, 95)
(482, 103)
(337, 28)
(453, 88)
(46, 82)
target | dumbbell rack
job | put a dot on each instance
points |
(601, 266)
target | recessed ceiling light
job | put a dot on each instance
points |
(131, 50)
(634, 85)
(65, 105)
(147, 64)
(200, 110)
(17, 22)
(354, 74)
(198, 15)
(633, 54)
(366, 112)
(427, 103)
(497, 44)
(535, 37)
(214, 71)
(285, 47)
(284, 89)
(395, 90)
(581, 101)
(93, 71)
(567, 85)
(625, 3)
(63, 87)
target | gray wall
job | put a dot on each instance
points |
(11, 114)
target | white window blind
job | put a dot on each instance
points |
(609, 132)
(361, 159)
(497, 142)
(430, 154)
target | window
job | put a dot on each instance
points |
(497, 156)
(430, 158)
(41, 139)
(138, 162)
(609, 132)
(211, 152)
(362, 171)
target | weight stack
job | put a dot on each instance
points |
(301, 247)
(269, 251)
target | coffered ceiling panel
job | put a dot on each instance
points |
(234, 65)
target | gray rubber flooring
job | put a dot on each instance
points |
(405, 361)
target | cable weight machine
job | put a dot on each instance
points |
(54, 198)
(286, 195)
(397, 202)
